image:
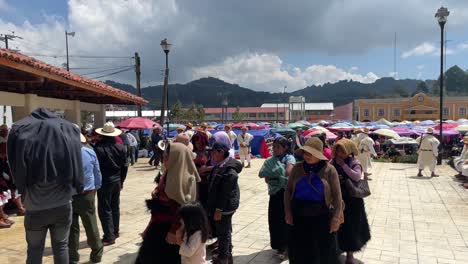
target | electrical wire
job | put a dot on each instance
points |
(79, 56)
(113, 73)
(106, 70)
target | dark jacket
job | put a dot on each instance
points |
(112, 159)
(223, 190)
(45, 148)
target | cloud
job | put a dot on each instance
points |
(420, 67)
(266, 72)
(354, 68)
(208, 32)
(420, 50)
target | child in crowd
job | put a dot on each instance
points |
(192, 234)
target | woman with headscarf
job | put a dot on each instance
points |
(355, 232)
(223, 138)
(313, 207)
(177, 187)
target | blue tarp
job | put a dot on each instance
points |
(256, 143)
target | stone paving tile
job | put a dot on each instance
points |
(413, 220)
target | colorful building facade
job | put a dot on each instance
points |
(418, 107)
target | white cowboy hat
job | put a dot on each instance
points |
(430, 130)
(109, 130)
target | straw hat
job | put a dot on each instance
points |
(430, 130)
(180, 129)
(109, 130)
(189, 125)
(314, 146)
(227, 126)
(357, 130)
(366, 130)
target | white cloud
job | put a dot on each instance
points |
(422, 49)
(462, 46)
(354, 68)
(420, 67)
(266, 72)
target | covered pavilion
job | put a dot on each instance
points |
(27, 83)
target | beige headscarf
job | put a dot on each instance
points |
(182, 175)
(347, 145)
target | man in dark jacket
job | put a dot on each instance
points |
(156, 136)
(44, 152)
(223, 199)
(112, 159)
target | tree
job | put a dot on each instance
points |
(237, 116)
(401, 91)
(190, 114)
(200, 113)
(421, 88)
(176, 112)
(455, 79)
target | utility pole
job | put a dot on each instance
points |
(66, 45)
(138, 75)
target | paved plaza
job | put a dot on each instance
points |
(413, 220)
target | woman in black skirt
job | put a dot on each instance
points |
(275, 171)
(354, 233)
(313, 206)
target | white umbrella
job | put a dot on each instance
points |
(462, 128)
(386, 133)
(403, 141)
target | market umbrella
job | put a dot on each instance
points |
(296, 125)
(446, 126)
(427, 123)
(380, 126)
(305, 122)
(462, 128)
(313, 132)
(321, 128)
(404, 131)
(447, 132)
(386, 133)
(137, 123)
(403, 141)
(384, 121)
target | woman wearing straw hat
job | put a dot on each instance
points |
(461, 163)
(112, 159)
(428, 151)
(313, 206)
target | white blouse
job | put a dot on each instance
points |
(194, 251)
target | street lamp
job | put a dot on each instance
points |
(66, 44)
(166, 46)
(441, 15)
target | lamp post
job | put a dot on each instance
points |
(166, 46)
(66, 45)
(441, 15)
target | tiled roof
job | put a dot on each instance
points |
(245, 110)
(307, 106)
(43, 69)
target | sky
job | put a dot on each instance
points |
(264, 45)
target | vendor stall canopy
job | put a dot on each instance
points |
(26, 75)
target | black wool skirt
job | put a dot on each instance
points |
(355, 232)
(155, 249)
(276, 222)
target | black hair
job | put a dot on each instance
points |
(195, 219)
(282, 141)
(323, 138)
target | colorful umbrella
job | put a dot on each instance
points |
(296, 125)
(427, 123)
(137, 123)
(313, 132)
(446, 126)
(462, 128)
(404, 131)
(386, 133)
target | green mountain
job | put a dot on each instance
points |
(210, 92)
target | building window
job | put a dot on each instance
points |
(446, 111)
(381, 112)
(428, 112)
(462, 111)
(412, 112)
(366, 112)
(420, 98)
(396, 112)
(252, 114)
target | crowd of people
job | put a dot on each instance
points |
(316, 191)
